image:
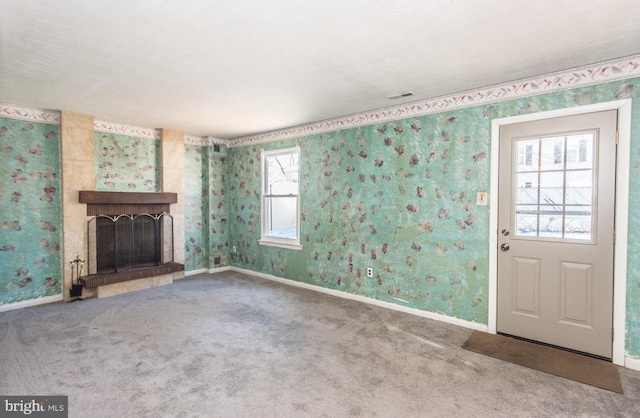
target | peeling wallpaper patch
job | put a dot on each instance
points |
(400, 197)
(31, 216)
(126, 163)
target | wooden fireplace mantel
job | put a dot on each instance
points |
(127, 198)
(131, 203)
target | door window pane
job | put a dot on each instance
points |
(526, 224)
(579, 190)
(551, 189)
(550, 225)
(580, 151)
(527, 188)
(553, 184)
(552, 153)
(528, 154)
(578, 227)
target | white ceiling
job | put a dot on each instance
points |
(230, 68)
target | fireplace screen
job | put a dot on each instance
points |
(126, 242)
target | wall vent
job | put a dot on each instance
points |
(400, 95)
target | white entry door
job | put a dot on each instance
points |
(556, 231)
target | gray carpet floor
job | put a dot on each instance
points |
(230, 345)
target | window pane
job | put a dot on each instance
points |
(282, 174)
(550, 226)
(528, 154)
(551, 189)
(579, 189)
(526, 225)
(527, 188)
(580, 151)
(281, 218)
(577, 227)
(552, 153)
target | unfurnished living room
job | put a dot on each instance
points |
(319, 208)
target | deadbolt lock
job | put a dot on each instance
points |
(505, 232)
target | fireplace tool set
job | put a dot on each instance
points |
(76, 270)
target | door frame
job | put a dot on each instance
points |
(621, 212)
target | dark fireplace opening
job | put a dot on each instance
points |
(129, 237)
(127, 243)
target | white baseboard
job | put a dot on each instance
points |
(30, 302)
(632, 363)
(194, 272)
(413, 311)
(205, 271)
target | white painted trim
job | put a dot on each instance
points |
(622, 212)
(492, 297)
(632, 363)
(288, 243)
(271, 242)
(31, 302)
(598, 73)
(413, 311)
(194, 272)
(206, 271)
(623, 171)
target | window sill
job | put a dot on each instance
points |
(281, 244)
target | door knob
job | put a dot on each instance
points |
(504, 247)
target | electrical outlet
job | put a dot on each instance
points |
(369, 272)
(481, 198)
(234, 249)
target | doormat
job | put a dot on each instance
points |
(576, 367)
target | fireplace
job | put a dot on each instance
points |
(126, 242)
(129, 236)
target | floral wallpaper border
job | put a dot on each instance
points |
(29, 114)
(603, 72)
(201, 141)
(128, 130)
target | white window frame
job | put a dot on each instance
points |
(290, 243)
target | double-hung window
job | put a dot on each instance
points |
(280, 198)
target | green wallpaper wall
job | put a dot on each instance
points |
(126, 163)
(30, 211)
(196, 208)
(207, 234)
(218, 209)
(400, 197)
